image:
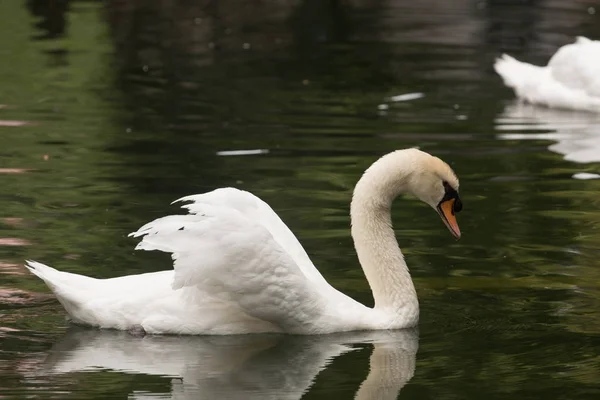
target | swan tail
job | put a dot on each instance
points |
(514, 73)
(49, 275)
(71, 290)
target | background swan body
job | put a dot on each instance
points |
(239, 269)
(570, 80)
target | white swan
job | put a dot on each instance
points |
(239, 269)
(570, 80)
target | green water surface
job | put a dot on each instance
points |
(111, 110)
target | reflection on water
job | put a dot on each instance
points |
(577, 133)
(233, 367)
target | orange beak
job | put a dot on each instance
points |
(446, 211)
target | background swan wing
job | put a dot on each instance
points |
(225, 252)
(576, 66)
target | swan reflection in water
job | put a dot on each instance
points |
(577, 133)
(261, 366)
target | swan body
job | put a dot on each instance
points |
(239, 269)
(571, 79)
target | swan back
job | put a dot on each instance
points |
(577, 66)
(570, 80)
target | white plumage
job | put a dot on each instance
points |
(570, 80)
(239, 269)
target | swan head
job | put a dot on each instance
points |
(432, 181)
(415, 172)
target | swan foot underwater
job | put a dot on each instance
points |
(569, 81)
(239, 269)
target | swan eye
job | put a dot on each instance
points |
(457, 207)
(449, 194)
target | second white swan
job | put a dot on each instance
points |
(569, 81)
(239, 269)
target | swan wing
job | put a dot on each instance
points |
(577, 66)
(222, 253)
(260, 212)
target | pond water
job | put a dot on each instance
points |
(111, 110)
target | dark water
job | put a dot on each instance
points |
(109, 111)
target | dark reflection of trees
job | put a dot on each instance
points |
(180, 66)
(51, 24)
(511, 25)
(52, 17)
(534, 29)
(211, 74)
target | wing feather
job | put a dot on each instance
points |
(222, 253)
(260, 212)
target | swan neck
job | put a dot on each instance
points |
(376, 246)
